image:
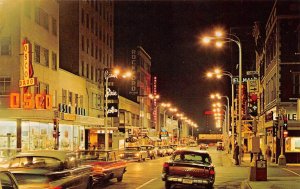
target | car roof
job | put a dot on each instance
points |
(189, 150)
(58, 154)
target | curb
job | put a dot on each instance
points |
(245, 185)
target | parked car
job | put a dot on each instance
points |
(169, 150)
(134, 153)
(189, 167)
(7, 180)
(152, 153)
(174, 146)
(161, 151)
(106, 164)
(220, 146)
(203, 146)
(193, 144)
(50, 169)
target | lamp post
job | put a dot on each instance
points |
(218, 73)
(218, 36)
(108, 75)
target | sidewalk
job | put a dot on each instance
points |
(272, 182)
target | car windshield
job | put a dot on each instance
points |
(36, 163)
(192, 157)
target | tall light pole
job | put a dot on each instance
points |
(218, 73)
(108, 75)
(219, 37)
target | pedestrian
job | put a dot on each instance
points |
(230, 148)
(268, 154)
(251, 156)
(236, 154)
(260, 156)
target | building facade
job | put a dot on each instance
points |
(278, 64)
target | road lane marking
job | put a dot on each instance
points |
(146, 183)
(291, 171)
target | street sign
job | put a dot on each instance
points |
(252, 86)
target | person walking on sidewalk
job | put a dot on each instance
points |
(236, 154)
(268, 154)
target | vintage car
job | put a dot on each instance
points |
(189, 167)
(161, 151)
(220, 146)
(192, 144)
(50, 169)
(174, 146)
(169, 150)
(203, 146)
(134, 153)
(7, 180)
(152, 152)
(106, 164)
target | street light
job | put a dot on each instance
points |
(219, 37)
(108, 75)
(219, 73)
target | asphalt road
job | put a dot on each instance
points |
(147, 175)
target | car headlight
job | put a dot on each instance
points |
(121, 155)
(137, 154)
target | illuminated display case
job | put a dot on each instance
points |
(292, 144)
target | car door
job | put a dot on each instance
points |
(7, 181)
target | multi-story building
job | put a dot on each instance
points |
(86, 49)
(278, 63)
(33, 89)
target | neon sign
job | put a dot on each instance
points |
(30, 101)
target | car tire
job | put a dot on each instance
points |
(119, 179)
(90, 184)
(168, 185)
(210, 186)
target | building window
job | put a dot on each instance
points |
(87, 46)
(70, 98)
(76, 99)
(96, 52)
(54, 27)
(82, 43)
(42, 88)
(87, 71)
(5, 83)
(296, 83)
(92, 50)
(82, 68)
(54, 61)
(5, 46)
(96, 101)
(37, 53)
(92, 73)
(92, 24)
(41, 18)
(82, 16)
(64, 96)
(45, 61)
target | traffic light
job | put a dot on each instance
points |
(55, 128)
(252, 109)
(275, 127)
(285, 124)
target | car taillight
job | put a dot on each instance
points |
(211, 172)
(166, 167)
(55, 187)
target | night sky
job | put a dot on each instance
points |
(169, 31)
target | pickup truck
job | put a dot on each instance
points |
(189, 167)
(106, 164)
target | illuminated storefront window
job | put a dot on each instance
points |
(292, 144)
(8, 133)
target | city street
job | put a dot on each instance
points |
(147, 175)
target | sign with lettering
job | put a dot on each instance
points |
(252, 86)
(27, 67)
(235, 80)
(112, 93)
(133, 87)
(31, 101)
(112, 110)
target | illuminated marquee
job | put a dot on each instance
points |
(27, 67)
(30, 101)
